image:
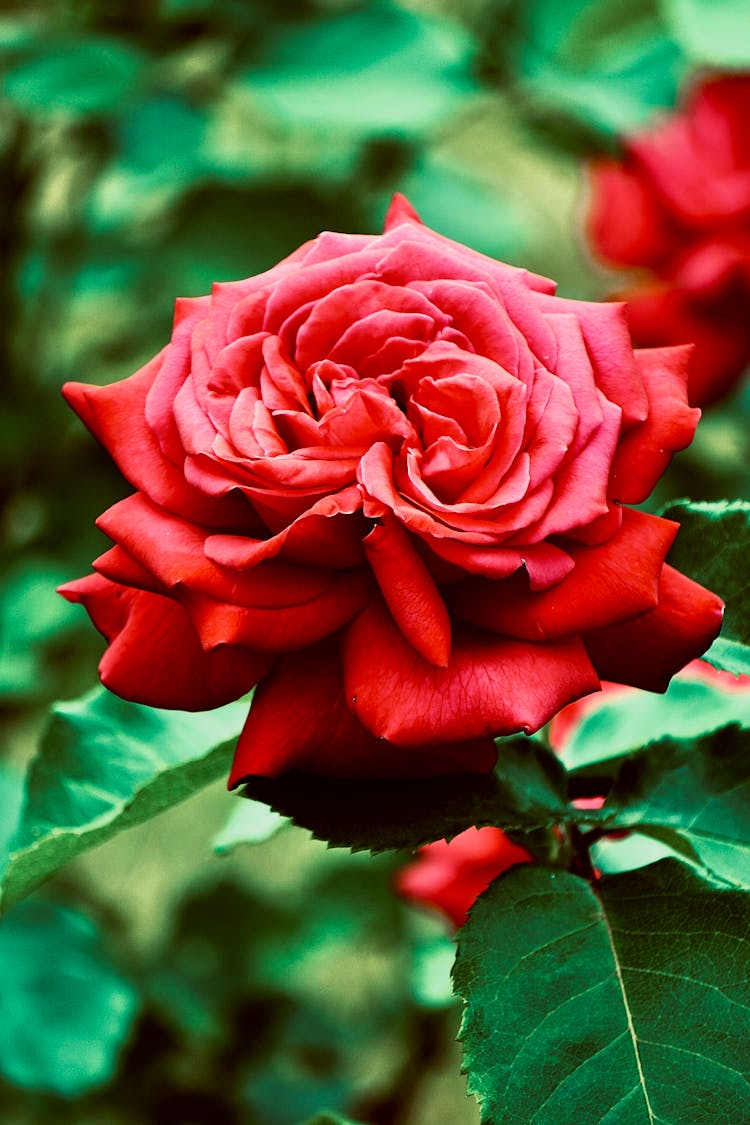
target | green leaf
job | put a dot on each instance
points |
(629, 1005)
(699, 790)
(711, 32)
(79, 76)
(326, 1118)
(65, 1010)
(624, 722)
(433, 954)
(608, 64)
(11, 799)
(250, 822)
(612, 855)
(368, 71)
(104, 765)
(527, 790)
(713, 547)
(31, 615)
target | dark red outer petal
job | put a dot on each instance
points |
(154, 655)
(299, 720)
(647, 651)
(492, 685)
(610, 582)
(450, 874)
(280, 628)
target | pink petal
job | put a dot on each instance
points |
(644, 453)
(400, 211)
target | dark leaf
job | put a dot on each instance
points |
(629, 1004)
(527, 790)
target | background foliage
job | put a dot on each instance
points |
(215, 965)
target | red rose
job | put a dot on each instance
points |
(449, 875)
(385, 481)
(565, 723)
(678, 204)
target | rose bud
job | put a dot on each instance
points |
(678, 205)
(387, 482)
(449, 874)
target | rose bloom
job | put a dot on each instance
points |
(449, 875)
(678, 205)
(385, 481)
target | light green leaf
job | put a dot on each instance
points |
(614, 854)
(713, 547)
(11, 799)
(65, 1010)
(526, 791)
(326, 1118)
(371, 70)
(78, 76)
(699, 791)
(433, 954)
(624, 722)
(250, 822)
(625, 1005)
(711, 32)
(606, 63)
(104, 765)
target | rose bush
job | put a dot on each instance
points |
(449, 874)
(678, 205)
(386, 482)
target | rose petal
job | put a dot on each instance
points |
(409, 591)
(174, 552)
(645, 451)
(646, 651)
(154, 655)
(490, 687)
(611, 582)
(328, 534)
(545, 563)
(299, 720)
(280, 628)
(648, 236)
(116, 417)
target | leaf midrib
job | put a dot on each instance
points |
(626, 1005)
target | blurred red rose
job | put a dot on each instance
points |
(448, 875)
(678, 204)
(385, 481)
(563, 726)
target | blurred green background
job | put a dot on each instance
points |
(146, 150)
